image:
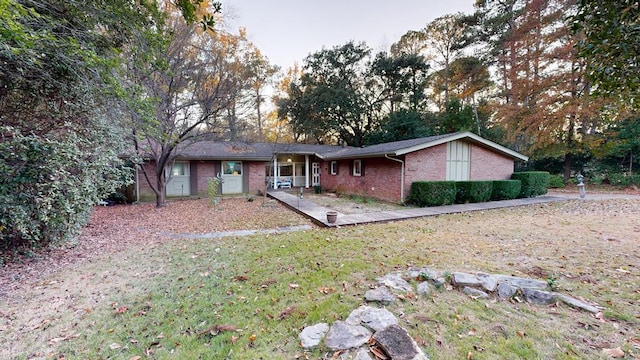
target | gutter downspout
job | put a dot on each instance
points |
(401, 175)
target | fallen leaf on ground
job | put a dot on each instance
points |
(216, 329)
(287, 312)
(114, 346)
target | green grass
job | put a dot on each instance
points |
(263, 290)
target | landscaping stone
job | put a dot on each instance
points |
(489, 282)
(395, 282)
(539, 297)
(311, 336)
(463, 279)
(522, 282)
(506, 291)
(372, 318)
(355, 331)
(423, 288)
(415, 272)
(571, 301)
(396, 343)
(381, 294)
(342, 336)
(477, 293)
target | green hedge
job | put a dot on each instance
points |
(506, 189)
(556, 181)
(432, 193)
(623, 180)
(473, 191)
(533, 183)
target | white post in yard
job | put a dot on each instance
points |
(306, 171)
(275, 172)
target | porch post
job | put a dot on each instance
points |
(275, 172)
(306, 171)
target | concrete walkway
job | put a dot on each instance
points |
(318, 214)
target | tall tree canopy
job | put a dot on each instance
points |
(611, 46)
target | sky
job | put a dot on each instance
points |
(287, 31)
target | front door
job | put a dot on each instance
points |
(315, 174)
(232, 177)
(179, 182)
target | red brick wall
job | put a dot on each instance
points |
(489, 165)
(205, 171)
(382, 176)
(256, 176)
(428, 164)
(381, 179)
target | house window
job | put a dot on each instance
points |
(334, 168)
(180, 168)
(232, 167)
(357, 167)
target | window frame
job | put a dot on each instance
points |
(333, 167)
(357, 167)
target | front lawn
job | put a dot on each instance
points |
(167, 297)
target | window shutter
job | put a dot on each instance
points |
(362, 167)
(337, 167)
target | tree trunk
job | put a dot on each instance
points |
(568, 159)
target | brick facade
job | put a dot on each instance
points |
(382, 176)
(489, 165)
(380, 179)
(205, 170)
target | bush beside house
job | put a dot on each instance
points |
(432, 193)
(505, 189)
(473, 191)
(533, 183)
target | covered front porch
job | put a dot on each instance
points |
(292, 170)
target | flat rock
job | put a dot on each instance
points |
(372, 318)
(506, 291)
(489, 282)
(579, 304)
(395, 282)
(477, 293)
(381, 294)
(522, 283)
(463, 279)
(396, 343)
(416, 272)
(312, 335)
(342, 336)
(539, 297)
(423, 288)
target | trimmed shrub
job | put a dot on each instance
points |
(505, 189)
(432, 193)
(556, 181)
(473, 191)
(533, 183)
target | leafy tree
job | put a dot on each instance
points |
(399, 81)
(191, 94)
(60, 95)
(328, 103)
(403, 124)
(546, 96)
(611, 46)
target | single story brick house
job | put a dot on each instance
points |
(384, 171)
